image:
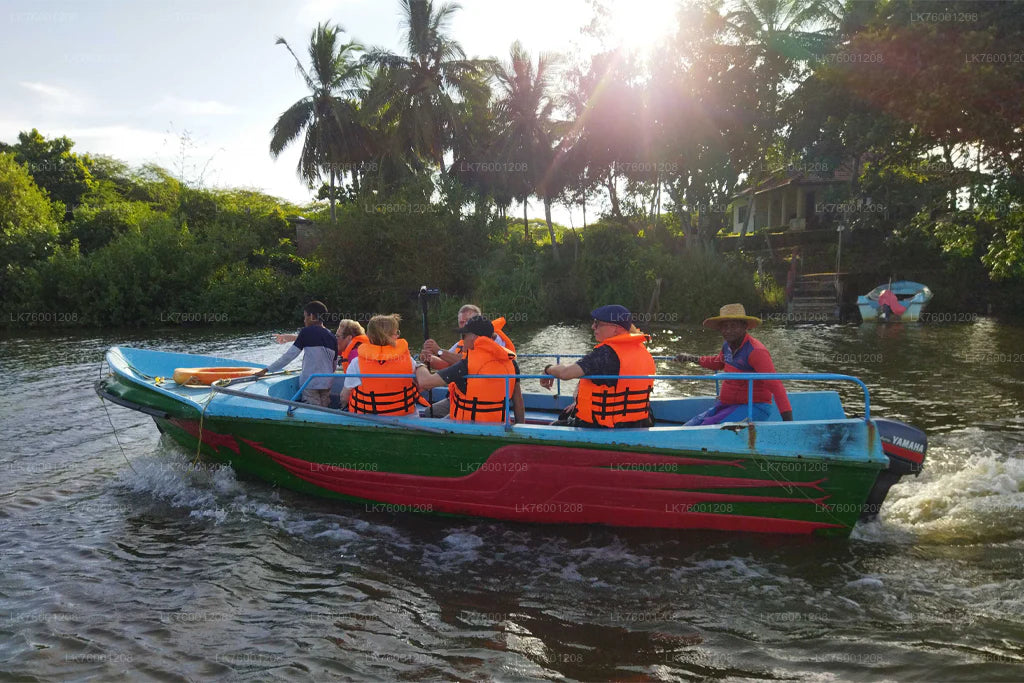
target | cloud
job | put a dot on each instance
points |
(179, 106)
(56, 98)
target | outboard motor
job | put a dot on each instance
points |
(905, 446)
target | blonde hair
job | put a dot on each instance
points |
(381, 328)
(470, 308)
(349, 328)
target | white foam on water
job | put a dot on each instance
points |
(339, 535)
(175, 482)
(457, 548)
(733, 568)
(868, 582)
(982, 501)
(971, 490)
(570, 573)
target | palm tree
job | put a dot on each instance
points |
(773, 38)
(526, 130)
(415, 95)
(335, 138)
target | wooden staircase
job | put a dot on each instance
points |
(816, 298)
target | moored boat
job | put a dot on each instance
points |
(816, 475)
(901, 301)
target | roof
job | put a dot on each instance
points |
(785, 177)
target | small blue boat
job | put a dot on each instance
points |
(900, 301)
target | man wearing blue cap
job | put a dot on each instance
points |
(620, 351)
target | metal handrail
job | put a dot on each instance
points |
(559, 356)
(749, 377)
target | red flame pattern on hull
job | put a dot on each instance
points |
(554, 484)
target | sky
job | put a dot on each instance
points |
(196, 86)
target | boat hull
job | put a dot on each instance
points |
(808, 477)
(869, 313)
(385, 470)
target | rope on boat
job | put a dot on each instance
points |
(209, 399)
(112, 428)
(202, 415)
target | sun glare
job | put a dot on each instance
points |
(639, 25)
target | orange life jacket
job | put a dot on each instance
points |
(384, 395)
(499, 324)
(630, 399)
(484, 399)
(343, 354)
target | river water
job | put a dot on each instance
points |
(118, 558)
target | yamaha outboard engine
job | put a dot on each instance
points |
(905, 446)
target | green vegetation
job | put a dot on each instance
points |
(420, 154)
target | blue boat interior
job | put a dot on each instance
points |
(903, 289)
(541, 408)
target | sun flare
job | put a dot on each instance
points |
(638, 25)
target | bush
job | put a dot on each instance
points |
(240, 294)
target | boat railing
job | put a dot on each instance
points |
(748, 377)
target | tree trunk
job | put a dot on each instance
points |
(526, 223)
(612, 194)
(334, 217)
(551, 227)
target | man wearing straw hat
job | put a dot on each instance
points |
(740, 353)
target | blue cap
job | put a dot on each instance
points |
(613, 313)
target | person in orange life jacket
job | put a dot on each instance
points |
(740, 353)
(478, 400)
(436, 358)
(350, 335)
(384, 353)
(620, 351)
(319, 350)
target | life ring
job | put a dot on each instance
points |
(208, 376)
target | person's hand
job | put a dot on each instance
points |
(431, 347)
(283, 338)
(547, 382)
(687, 358)
(425, 358)
(787, 416)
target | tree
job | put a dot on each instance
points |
(415, 96)
(526, 130)
(28, 229)
(335, 138)
(64, 175)
(775, 39)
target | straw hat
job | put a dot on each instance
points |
(732, 312)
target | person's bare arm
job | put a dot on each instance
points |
(564, 371)
(427, 380)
